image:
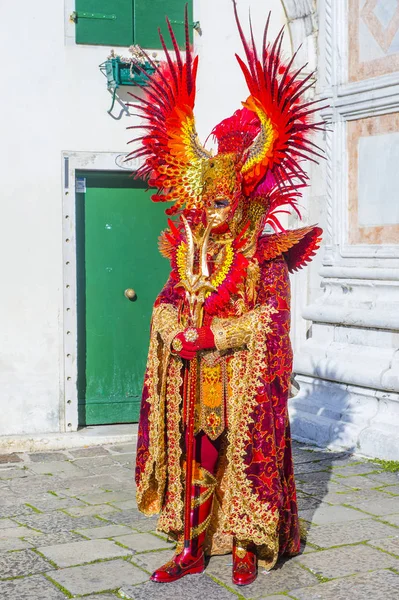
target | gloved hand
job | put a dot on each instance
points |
(187, 343)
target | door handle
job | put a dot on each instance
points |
(130, 294)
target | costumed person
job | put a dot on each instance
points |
(214, 450)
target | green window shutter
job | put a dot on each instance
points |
(149, 15)
(104, 23)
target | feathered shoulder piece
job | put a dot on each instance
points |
(298, 246)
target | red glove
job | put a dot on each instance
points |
(187, 343)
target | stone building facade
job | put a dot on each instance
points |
(348, 367)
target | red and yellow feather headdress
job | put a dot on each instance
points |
(261, 148)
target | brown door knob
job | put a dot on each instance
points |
(130, 294)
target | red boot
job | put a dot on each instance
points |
(191, 560)
(244, 563)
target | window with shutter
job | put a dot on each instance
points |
(104, 22)
(149, 16)
(126, 22)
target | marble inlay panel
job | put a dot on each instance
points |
(373, 38)
(373, 180)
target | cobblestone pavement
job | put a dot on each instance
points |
(69, 528)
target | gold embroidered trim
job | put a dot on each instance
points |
(247, 517)
(202, 497)
(196, 531)
(204, 478)
(222, 268)
(191, 334)
(240, 551)
(172, 511)
(207, 481)
(149, 494)
(234, 332)
(163, 380)
(167, 323)
(212, 395)
(177, 344)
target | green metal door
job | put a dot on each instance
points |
(117, 231)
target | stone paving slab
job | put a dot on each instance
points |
(125, 504)
(388, 544)
(7, 524)
(22, 562)
(99, 577)
(305, 454)
(125, 480)
(357, 469)
(106, 531)
(77, 553)
(89, 464)
(107, 466)
(87, 485)
(127, 517)
(392, 489)
(141, 542)
(125, 471)
(123, 459)
(358, 482)
(353, 496)
(104, 597)
(17, 532)
(92, 451)
(336, 534)
(195, 587)
(347, 560)
(9, 474)
(331, 514)
(380, 507)
(321, 488)
(14, 510)
(393, 519)
(125, 448)
(14, 544)
(275, 597)
(97, 509)
(61, 469)
(152, 560)
(45, 457)
(36, 587)
(48, 502)
(49, 539)
(379, 585)
(322, 477)
(36, 485)
(58, 521)
(285, 577)
(385, 478)
(10, 458)
(105, 497)
(145, 526)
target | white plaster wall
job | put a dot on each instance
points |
(221, 86)
(54, 99)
